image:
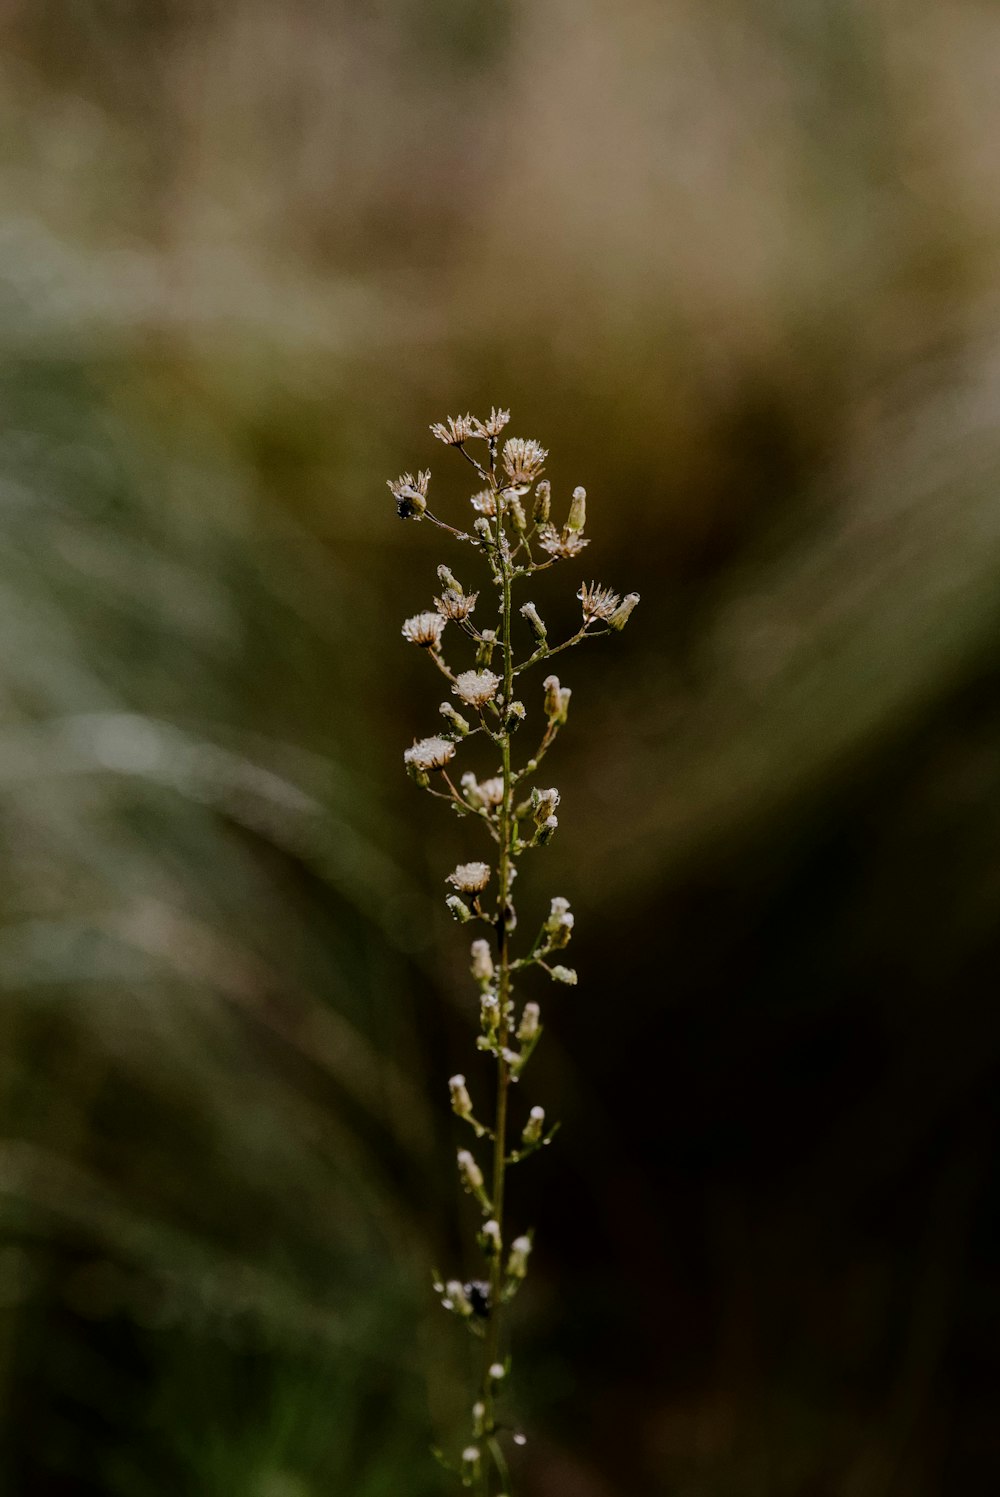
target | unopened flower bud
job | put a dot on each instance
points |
(459, 909)
(489, 1013)
(563, 974)
(461, 1102)
(487, 644)
(491, 1236)
(529, 1026)
(533, 1127)
(482, 961)
(516, 511)
(470, 1459)
(530, 612)
(577, 517)
(457, 721)
(469, 1172)
(517, 1263)
(447, 579)
(543, 495)
(623, 612)
(556, 700)
(482, 529)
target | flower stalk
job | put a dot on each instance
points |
(515, 536)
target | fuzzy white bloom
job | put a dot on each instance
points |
(470, 878)
(470, 1455)
(424, 629)
(476, 688)
(456, 1298)
(492, 791)
(491, 1231)
(563, 974)
(497, 1371)
(559, 925)
(429, 753)
(482, 961)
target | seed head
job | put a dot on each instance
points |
(523, 460)
(476, 688)
(485, 503)
(598, 602)
(456, 606)
(564, 545)
(429, 753)
(424, 629)
(410, 494)
(470, 878)
(455, 430)
(494, 426)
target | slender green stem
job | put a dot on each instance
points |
(493, 1340)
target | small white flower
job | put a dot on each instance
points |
(424, 629)
(482, 961)
(470, 878)
(476, 688)
(429, 753)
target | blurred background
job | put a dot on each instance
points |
(736, 266)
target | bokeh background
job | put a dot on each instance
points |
(736, 265)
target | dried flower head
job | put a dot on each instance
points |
(455, 606)
(476, 688)
(598, 602)
(523, 460)
(424, 629)
(485, 503)
(455, 430)
(470, 878)
(495, 425)
(563, 544)
(410, 494)
(430, 753)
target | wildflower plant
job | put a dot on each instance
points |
(513, 534)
